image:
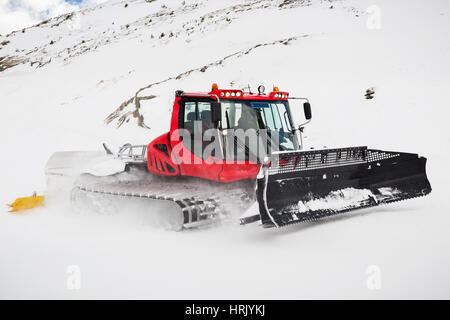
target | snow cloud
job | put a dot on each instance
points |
(18, 14)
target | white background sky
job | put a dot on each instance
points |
(18, 14)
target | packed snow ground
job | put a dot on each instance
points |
(332, 57)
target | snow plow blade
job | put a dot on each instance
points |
(309, 185)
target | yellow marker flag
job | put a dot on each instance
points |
(26, 203)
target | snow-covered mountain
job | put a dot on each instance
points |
(70, 83)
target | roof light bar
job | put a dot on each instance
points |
(278, 95)
(227, 93)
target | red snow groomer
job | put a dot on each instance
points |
(226, 149)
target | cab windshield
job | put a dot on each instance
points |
(271, 115)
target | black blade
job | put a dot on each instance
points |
(290, 188)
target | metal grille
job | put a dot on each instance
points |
(327, 158)
(378, 155)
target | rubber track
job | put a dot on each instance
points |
(192, 208)
(204, 205)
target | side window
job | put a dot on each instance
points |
(232, 110)
(204, 111)
(276, 116)
(268, 116)
(197, 118)
(189, 116)
(237, 113)
(197, 111)
(284, 117)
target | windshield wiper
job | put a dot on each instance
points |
(260, 120)
(228, 119)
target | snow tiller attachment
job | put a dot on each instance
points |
(307, 185)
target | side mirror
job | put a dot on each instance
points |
(307, 110)
(216, 111)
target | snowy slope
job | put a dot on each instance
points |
(72, 72)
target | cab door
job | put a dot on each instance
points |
(200, 153)
(242, 143)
